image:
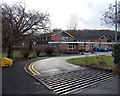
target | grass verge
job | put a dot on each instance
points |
(97, 62)
(17, 54)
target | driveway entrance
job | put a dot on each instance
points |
(64, 78)
(77, 80)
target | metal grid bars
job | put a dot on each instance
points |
(69, 82)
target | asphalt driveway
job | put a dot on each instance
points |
(56, 65)
(16, 81)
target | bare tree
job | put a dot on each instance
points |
(72, 24)
(16, 21)
(109, 16)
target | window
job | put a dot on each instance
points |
(71, 46)
(82, 46)
(54, 46)
(44, 38)
(48, 38)
(32, 39)
(37, 39)
(41, 39)
(65, 38)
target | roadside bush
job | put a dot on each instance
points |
(81, 50)
(116, 55)
(25, 52)
(92, 52)
(38, 51)
(49, 50)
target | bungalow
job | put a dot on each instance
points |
(57, 35)
(63, 41)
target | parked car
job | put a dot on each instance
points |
(91, 49)
(109, 48)
(96, 49)
(103, 49)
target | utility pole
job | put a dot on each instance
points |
(116, 21)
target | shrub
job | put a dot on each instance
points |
(25, 52)
(49, 50)
(38, 51)
(116, 55)
(81, 50)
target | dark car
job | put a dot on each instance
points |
(103, 49)
(96, 49)
(109, 48)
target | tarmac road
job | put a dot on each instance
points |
(16, 81)
(57, 65)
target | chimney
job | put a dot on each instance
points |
(57, 30)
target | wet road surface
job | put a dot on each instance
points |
(56, 65)
(50, 70)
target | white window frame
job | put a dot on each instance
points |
(73, 46)
(65, 38)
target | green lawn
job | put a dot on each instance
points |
(17, 54)
(107, 60)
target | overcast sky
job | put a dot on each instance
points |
(86, 12)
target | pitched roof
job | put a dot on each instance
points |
(103, 36)
(94, 34)
(44, 35)
(55, 33)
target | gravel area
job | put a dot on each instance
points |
(16, 81)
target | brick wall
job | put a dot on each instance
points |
(56, 37)
(71, 39)
(63, 47)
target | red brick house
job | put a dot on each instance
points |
(56, 36)
(63, 41)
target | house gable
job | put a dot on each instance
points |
(56, 37)
(103, 38)
(69, 34)
(82, 35)
(63, 32)
(62, 36)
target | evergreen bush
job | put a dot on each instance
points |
(38, 51)
(116, 55)
(25, 52)
(49, 50)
